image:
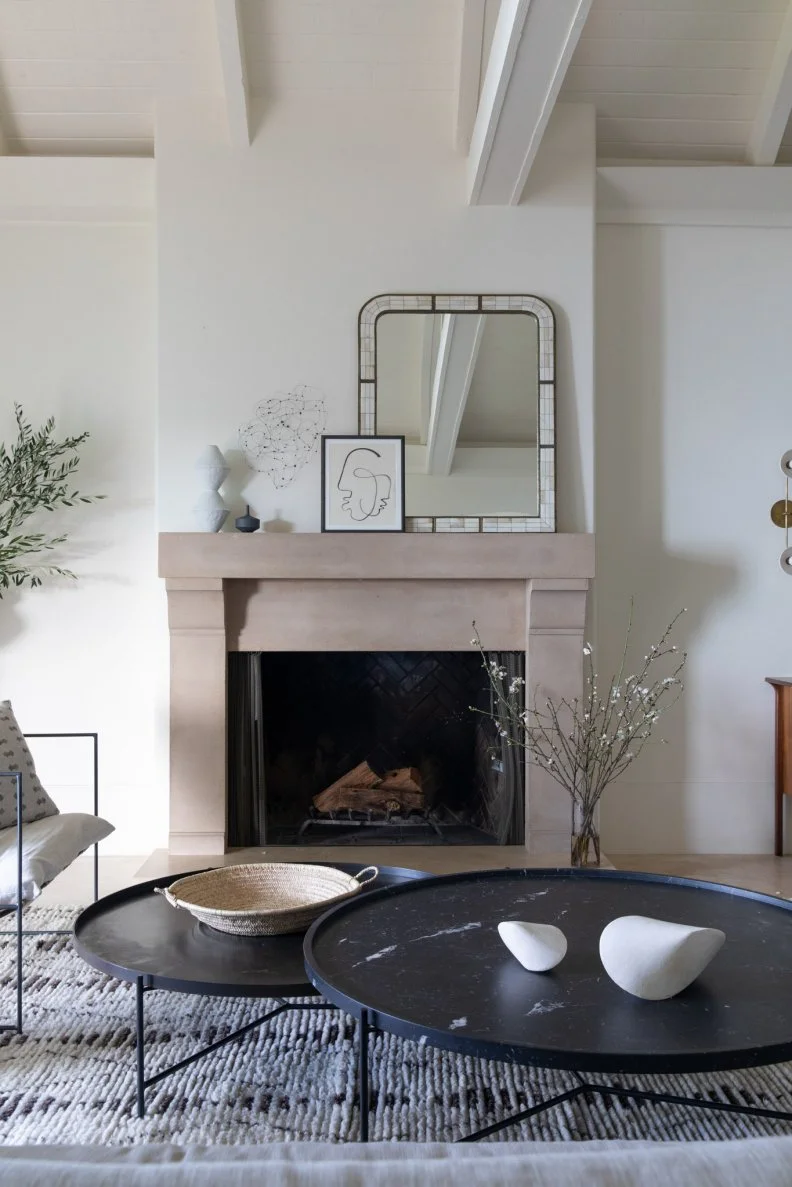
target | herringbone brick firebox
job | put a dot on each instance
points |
(324, 713)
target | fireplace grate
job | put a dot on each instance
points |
(350, 827)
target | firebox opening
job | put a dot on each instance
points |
(344, 748)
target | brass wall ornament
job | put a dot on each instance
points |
(781, 513)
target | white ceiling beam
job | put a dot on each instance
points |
(775, 103)
(428, 348)
(532, 46)
(228, 19)
(460, 339)
(469, 80)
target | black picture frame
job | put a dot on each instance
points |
(337, 518)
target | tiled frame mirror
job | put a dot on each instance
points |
(474, 395)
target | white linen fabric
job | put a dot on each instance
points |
(746, 1163)
(49, 845)
(15, 756)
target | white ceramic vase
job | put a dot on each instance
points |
(539, 947)
(209, 510)
(212, 467)
(654, 959)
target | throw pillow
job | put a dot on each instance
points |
(15, 756)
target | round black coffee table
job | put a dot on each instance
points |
(136, 935)
(426, 962)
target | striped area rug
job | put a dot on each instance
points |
(71, 1078)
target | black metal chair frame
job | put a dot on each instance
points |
(17, 907)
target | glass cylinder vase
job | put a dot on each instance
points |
(585, 841)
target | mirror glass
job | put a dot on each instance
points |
(469, 381)
(463, 389)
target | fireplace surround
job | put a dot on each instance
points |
(316, 592)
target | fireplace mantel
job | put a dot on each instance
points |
(365, 592)
(357, 556)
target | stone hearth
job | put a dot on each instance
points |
(329, 592)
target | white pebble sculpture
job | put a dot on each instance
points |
(539, 947)
(654, 959)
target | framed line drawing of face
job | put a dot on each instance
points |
(362, 484)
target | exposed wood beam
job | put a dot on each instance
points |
(228, 18)
(531, 49)
(470, 66)
(775, 103)
(460, 338)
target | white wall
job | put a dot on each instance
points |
(77, 339)
(266, 256)
(693, 400)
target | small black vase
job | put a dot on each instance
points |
(247, 522)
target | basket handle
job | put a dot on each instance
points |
(373, 873)
(166, 894)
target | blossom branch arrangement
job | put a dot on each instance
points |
(587, 743)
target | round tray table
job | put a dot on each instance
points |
(136, 935)
(425, 961)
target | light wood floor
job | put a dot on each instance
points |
(771, 875)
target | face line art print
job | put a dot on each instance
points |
(363, 491)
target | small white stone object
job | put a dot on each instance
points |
(539, 947)
(654, 959)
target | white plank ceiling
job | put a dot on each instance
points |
(351, 45)
(81, 76)
(675, 79)
(671, 79)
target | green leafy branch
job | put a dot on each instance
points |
(35, 475)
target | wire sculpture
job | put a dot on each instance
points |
(284, 433)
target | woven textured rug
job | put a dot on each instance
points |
(71, 1077)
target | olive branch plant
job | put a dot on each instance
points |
(588, 742)
(35, 476)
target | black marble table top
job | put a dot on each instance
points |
(426, 961)
(135, 932)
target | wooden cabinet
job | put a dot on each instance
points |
(783, 752)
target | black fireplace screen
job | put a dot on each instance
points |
(392, 738)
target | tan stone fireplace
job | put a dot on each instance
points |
(336, 592)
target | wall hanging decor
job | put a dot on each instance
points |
(781, 513)
(362, 484)
(284, 433)
(209, 511)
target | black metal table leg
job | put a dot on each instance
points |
(364, 1075)
(18, 905)
(141, 1082)
(143, 985)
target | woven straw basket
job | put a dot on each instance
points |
(266, 899)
